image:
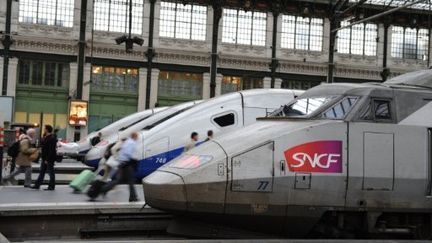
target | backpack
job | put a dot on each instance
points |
(14, 149)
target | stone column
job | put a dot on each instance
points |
(73, 68)
(146, 15)
(156, 24)
(206, 86)
(267, 83)
(12, 76)
(142, 86)
(380, 44)
(86, 82)
(14, 17)
(154, 87)
(278, 83)
(269, 35)
(326, 36)
(86, 94)
(218, 90)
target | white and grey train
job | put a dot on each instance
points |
(96, 153)
(341, 160)
(164, 139)
(79, 149)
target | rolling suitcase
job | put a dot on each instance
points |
(80, 182)
(95, 188)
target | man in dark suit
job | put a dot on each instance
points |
(49, 154)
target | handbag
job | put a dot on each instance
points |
(34, 156)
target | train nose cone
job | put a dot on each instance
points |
(165, 190)
(93, 157)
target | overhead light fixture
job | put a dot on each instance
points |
(120, 39)
(129, 42)
(138, 41)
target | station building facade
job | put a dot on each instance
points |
(43, 68)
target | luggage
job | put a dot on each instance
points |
(95, 188)
(14, 149)
(82, 180)
(34, 157)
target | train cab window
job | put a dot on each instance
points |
(382, 110)
(342, 108)
(378, 110)
(225, 120)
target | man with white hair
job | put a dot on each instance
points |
(25, 157)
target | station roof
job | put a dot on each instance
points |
(424, 5)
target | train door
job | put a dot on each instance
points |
(371, 153)
(252, 173)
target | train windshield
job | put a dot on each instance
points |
(302, 107)
(340, 109)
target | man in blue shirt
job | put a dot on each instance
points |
(127, 160)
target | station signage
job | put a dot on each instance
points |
(78, 113)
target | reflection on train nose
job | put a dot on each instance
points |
(165, 190)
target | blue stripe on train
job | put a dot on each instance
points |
(92, 163)
(148, 165)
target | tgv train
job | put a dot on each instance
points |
(96, 153)
(165, 139)
(341, 160)
(79, 149)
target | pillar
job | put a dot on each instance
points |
(278, 83)
(150, 54)
(142, 87)
(12, 76)
(267, 83)
(86, 94)
(206, 86)
(217, 15)
(326, 35)
(154, 87)
(87, 83)
(218, 90)
(73, 70)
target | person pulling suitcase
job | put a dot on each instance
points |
(126, 169)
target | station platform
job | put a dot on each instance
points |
(65, 171)
(34, 214)
(18, 199)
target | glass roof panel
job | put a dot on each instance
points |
(425, 5)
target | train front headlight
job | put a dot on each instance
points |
(191, 161)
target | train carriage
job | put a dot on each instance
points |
(340, 159)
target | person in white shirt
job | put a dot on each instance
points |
(127, 163)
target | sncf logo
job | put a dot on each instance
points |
(319, 156)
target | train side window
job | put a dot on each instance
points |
(225, 120)
(342, 108)
(382, 110)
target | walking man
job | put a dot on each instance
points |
(13, 164)
(49, 154)
(25, 157)
(127, 160)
